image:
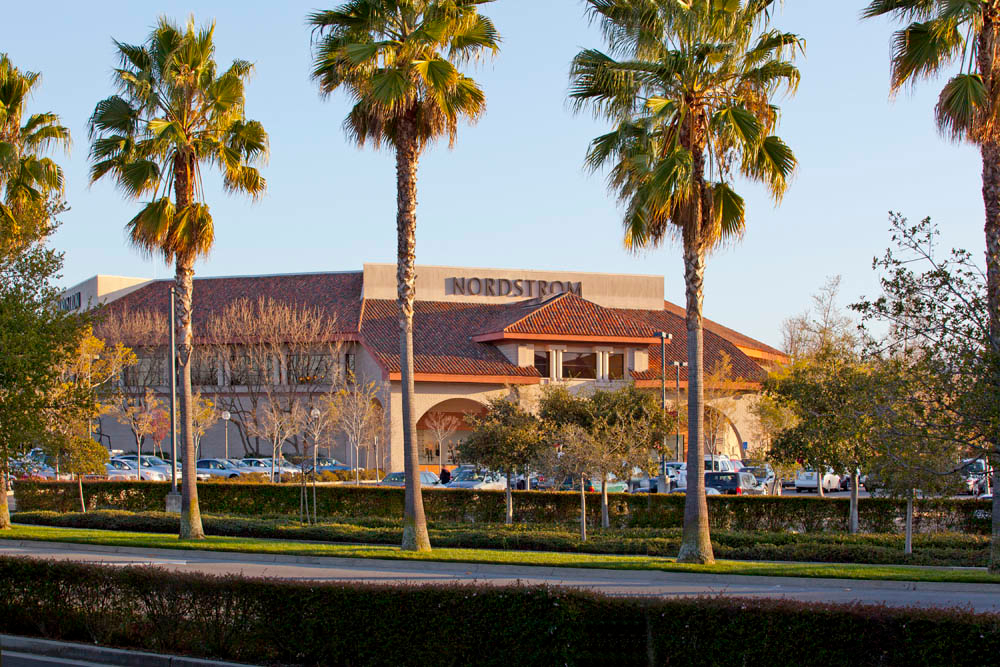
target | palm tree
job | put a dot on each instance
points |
(689, 86)
(399, 59)
(939, 34)
(26, 178)
(174, 111)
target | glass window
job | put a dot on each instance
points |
(579, 365)
(309, 368)
(616, 366)
(542, 363)
(204, 369)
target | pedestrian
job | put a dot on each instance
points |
(445, 476)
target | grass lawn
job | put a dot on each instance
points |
(531, 558)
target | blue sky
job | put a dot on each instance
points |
(513, 192)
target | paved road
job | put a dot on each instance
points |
(979, 597)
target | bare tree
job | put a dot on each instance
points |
(442, 426)
(203, 417)
(824, 326)
(360, 416)
(138, 413)
(270, 352)
(276, 424)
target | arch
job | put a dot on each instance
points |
(452, 420)
(721, 434)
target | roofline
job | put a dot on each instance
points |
(655, 384)
(477, 379)
(488, 338)
(516, 268)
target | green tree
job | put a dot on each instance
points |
(79, 456)
(173, 112)
(940, 34)
(35, 336)
(398, 60)
(941, 395)
(506, 438)
(27, 178)
(690, 87)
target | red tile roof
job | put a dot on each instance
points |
(444, 331)
(441, 341)
(731, 335)
(336, 293)
(565, 314)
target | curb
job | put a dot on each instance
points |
(101, 655)
(514, 571)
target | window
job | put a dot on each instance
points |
(204, 369)
(148, 371)
(349, 367)
(579, 365)
(542, 363)
(309, 368)
(616, 366)
(243, 371)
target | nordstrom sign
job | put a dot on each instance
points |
(511, 287)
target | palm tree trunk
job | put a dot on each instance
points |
(990, 151)
(191, 528)
(696, 543)
(415, 537)
(583, 508)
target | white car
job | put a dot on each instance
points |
(219, 468)
(123, 470)
(481, 480)
(806, 480)
(427, 479)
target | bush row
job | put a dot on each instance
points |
(939, 550)
(751, 513)
(307, 623)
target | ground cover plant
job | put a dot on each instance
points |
(943, 550)
(309, 623)
(760, 513)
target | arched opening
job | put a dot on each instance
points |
(442, 428)
(721, 435)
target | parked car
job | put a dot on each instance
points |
(123, 470)
(594, 485)
(720, 463)
(263, 466)
(807, 479)
(483, 480)
(733, 483)
(709, 491)
(427, 479)
(150, 462)
(219, 468)
(763, 473)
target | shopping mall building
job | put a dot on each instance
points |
(478, 333)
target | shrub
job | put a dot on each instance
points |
(741, 513)
(309, 623)
(940, 550)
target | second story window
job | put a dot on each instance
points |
(616, 366)
(542, 363)
(579, 365)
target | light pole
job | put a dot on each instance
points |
(315, 414)
(661, 481)
(226, 417)
(678, 365)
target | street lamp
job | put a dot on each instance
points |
(664, 337)
(315, 414)
(678, 365)
(226, 417)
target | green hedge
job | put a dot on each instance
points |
(307, 623)
(949, 550)
(746, 513)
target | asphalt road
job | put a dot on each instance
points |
(978, 597)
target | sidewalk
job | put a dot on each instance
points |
(29, 650)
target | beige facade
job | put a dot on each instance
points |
(617, 315)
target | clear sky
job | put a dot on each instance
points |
(513, 192)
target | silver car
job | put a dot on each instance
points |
(124, 470)
(219, 468)
(427, 479)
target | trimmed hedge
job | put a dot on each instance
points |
(745, 513)
(308, 623)
(937, 549)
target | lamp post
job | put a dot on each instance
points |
(661, 482)
(678, 365)
(315, 414)
(226, 417)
